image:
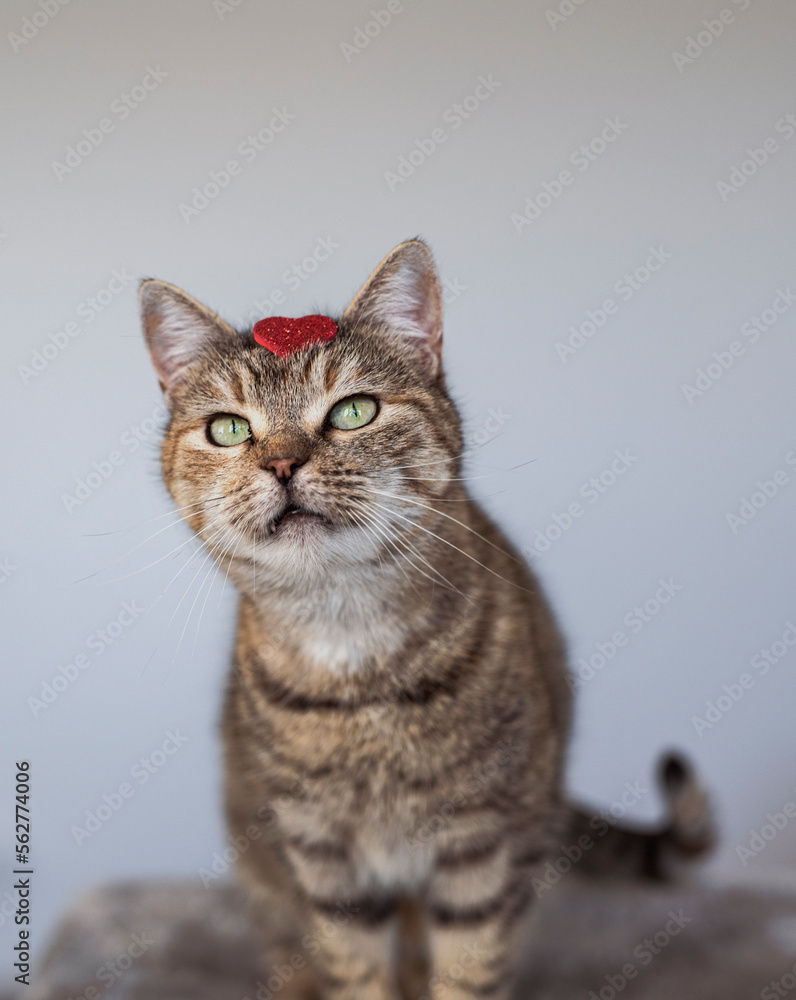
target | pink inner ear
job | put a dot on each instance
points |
(408, 299)
(404, 295)
(429, 312)
(413, 297)
(284, 335)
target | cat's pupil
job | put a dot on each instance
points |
(350, 414)
(229, 430)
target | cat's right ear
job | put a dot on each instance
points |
(179, 331)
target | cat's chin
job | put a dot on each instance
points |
(295, 521)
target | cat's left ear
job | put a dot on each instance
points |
(404, 294)
(179, 331)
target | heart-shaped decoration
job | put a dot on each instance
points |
(283, 335)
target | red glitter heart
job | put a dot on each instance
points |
(284, 334)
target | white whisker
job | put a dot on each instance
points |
(397, 496)
(204, 604)
(452, 479)
(406, 542)
(202, 545)
(363, 522)
(178, 520)
(229, 567)
(370, 526)
(445, 540)
(210, 555)
(148, 520)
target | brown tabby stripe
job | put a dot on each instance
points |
(369, 910)
(320, 850)
(518, 905)
(479, 913)
(336, 982)
(330, 375)
(236, 385)
(419, 692)
(453, 860)
(490, 987)
(531, 857)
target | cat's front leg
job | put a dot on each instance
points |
(351, 926)
(478, 912)
(353, 942)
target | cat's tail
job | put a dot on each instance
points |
(610, 848)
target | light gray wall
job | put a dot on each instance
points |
(517, 289)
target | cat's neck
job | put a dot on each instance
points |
(339, 617)
(344, 621)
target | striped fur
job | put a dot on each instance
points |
(397, 716)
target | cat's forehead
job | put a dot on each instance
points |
(288, 387)
(298, 388)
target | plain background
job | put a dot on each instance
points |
(539, 427)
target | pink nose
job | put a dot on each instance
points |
(283, 467)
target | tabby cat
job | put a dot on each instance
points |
(397, 717)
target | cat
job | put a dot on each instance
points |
(396, 722)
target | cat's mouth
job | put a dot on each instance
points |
(295, 514)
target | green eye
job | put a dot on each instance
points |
(227, 431)
(356, 411)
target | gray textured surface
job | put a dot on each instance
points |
(198, 944)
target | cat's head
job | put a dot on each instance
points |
(328, 457)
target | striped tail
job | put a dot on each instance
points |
(686, 832)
